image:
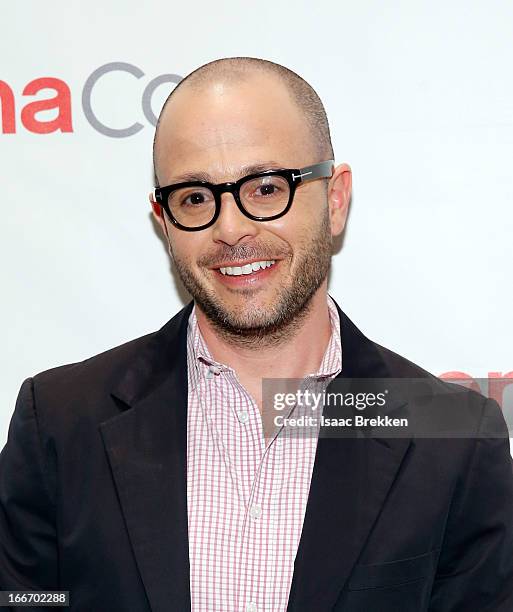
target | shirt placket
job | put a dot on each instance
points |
(258, 531)
(245, 457)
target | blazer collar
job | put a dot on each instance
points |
(146, 444)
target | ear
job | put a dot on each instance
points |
(158, 213)
(339, 197)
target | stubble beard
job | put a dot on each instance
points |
(254, 326)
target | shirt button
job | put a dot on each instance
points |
(256, 511)
(212, 369)
(251, 607)
(243, 416)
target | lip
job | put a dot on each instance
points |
(245, 280)
(232, 264)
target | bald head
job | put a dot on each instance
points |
(239, 74)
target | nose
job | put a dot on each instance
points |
(232, 225)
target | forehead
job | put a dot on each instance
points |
(220, 126)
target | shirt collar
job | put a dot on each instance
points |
(199, 357)
(331, 363)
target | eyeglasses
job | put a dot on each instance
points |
(265, 196)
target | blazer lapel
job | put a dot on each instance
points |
(350, 480)
(147, 447)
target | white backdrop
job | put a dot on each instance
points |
(420, 101)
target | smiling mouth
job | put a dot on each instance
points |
(247, 269)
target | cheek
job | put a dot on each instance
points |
(296, 227)
(186, 246)
(289, 232)
(307, 212)
(292, 226)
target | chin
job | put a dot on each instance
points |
(259, 317)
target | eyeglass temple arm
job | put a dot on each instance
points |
(321, 170)
(154, 196)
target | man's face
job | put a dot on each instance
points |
(218, 131)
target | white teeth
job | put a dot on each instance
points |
(247, 268)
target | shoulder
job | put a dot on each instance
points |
(83, 393)
(102, 371)
(76, 396)
(365, 358)
(402, 368)
(99, 370)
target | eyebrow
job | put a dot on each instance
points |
(243, 171)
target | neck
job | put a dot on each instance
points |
(278, 355)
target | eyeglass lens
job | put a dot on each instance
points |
(264, 196)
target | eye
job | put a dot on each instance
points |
(266, 190)
(266, 187)
(194, 199)
(191, 198)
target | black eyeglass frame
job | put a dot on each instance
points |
(294, 177)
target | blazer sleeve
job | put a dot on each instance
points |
(475, 570)
(28, 540)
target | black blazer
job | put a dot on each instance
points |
(93, 495)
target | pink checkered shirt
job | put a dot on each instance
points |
(246, 496)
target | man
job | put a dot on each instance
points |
(140, 479)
